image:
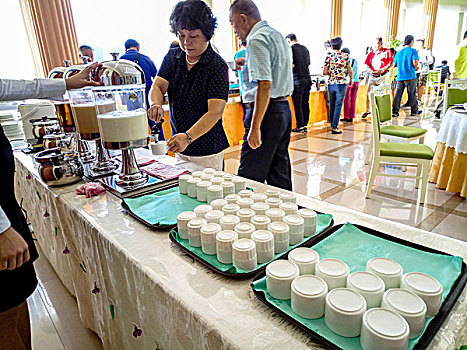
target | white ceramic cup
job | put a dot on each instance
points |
(244, 202)
(219, 173)
(273, 202)
(384, 329)
(228, 222)
(228, 187)
(409, 305)
(208, 238)
(280, 231)
(308, 296)
(279, 276)
(344, 311)
(370, 286)
(389, 271)
(228, 177)
(288, 197)
(426, 287)
(210, 171)
(260, 208)
(289, 208)
(232, 198)
(197, 174)
(206, 177)
(201, 210)
(264, 241)
(310, 217)
(261, 222)
(245, 193)
(214, 216)
(214, 192)
(333, 271)
(306, 260)
(275, 214)
(224, 241)
(244, 254)
(202, 190)
(272, 193)
(245, 214)
(217, 180)
(194, 231)
(244, 229)
(218, 204)
(192, 186)
(296, 225)
(239, 183)
(259, 197)
(183, 183)
(230, 209)
(182, 223)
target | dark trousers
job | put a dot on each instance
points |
(18, 284)
(270, 162)
(336, 100)
(411, 86)
(301, 102)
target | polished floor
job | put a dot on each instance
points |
(325, 166)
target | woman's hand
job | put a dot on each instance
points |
(156, 113)
(177, 143)
(81, 79)
(14, 250)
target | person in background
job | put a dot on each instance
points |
(406, 61)
(337, 66)
(444, 68)
(426, 60)
(350, 100)
(460, 65)
(393, 75)
(240, 54)
(302, 83)
(197, 82)
(268, 81)
(86, 51)
(17, 250)
(132, 53)
(379, 61)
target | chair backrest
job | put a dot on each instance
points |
(434, 76)
(375, 123)
(455, 93)
(383, 103)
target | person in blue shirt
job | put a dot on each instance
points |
(407, 62)
(241, 54)
(132, 53)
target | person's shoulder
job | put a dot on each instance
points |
(218, 61)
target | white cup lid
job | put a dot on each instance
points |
(271, 192)
(227, 184)
(204, 183)
(209, 171)
(226, 236)
(307, 213)
(273, 200)
(203, 208)
(278, 226)
(262, 236)
(245, 193)
(215, 188)
(293, 219)
(197, 173)
(384, 266)
(184, 177)
(228, 176)
(287, 195)
(288, 206)
(332, 267)
(282, 269)
(275, 212)
(245, 212)
(197, 222)
(219, 202)
(230, 219)
(218, 173)
(259, 196)
(346, 300)
(232, 196)
(244, 227)
(186, 215)
(309, 285)
(194, 180)
(217, 179)
(245, 201)
(404, 301)
(260, 219)
(237, 179)
(260, 206)
(303, 255)
(211, 228)
(214, 214)
(423, 283)
(243, 244)
(231, 207)
(366, 281)
(386, 323)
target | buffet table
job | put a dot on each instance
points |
(137, 290)
(449, 167)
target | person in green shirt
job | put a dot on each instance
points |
(461, 61)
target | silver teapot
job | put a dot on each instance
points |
(57, 168)
(66, 142)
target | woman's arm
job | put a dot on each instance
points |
(156, 96)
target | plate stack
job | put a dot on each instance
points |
(10, 123)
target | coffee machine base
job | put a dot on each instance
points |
(111, 184)
(93, 175)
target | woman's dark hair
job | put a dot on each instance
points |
(346, 50)
(393, 50)
(192, 15)
(336, 43)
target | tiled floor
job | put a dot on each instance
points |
(325, 166)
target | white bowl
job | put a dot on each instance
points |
(409, 305)
(344, 311)
(244, 254)
(389, 271)
(182, 221)
(305, 258)
(426, 287)
(279, 277)
(308, 296)
(384, 329)
(370, 286)
(333, 271)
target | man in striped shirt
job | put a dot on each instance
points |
(267, 82)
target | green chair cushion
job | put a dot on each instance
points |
(384, 107)
(402, 131)
(405, 150)
(456, 96)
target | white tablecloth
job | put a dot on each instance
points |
(108, 261)
(453, 131)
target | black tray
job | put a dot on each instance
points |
(435, 323)
(309, 242)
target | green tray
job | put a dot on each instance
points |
(366, 244)
(324, 223)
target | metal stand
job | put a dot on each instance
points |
(103, 165)
(130, 176)
(85, 154)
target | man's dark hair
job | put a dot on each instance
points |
(85, 47)
(291, 37)
(408, 40)
(380, 39)
(131, 43)
(465, 35)
(346, 50)
(444, 62)
(246, 7)
(192, 15)
(336, 43)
